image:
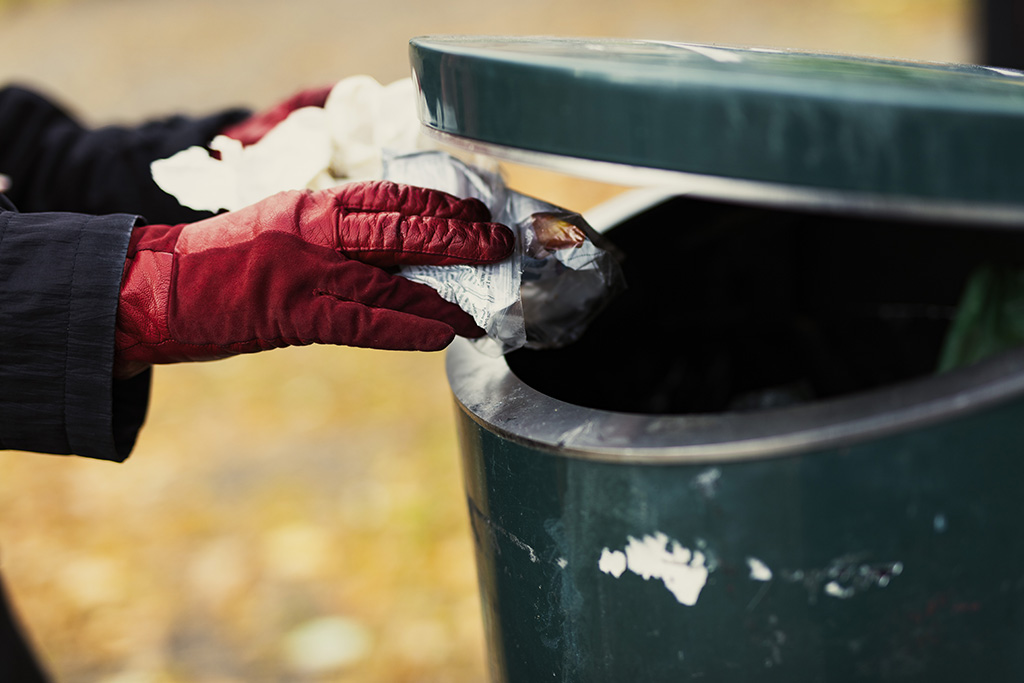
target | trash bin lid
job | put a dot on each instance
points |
(865, 134)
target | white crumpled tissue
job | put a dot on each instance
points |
(313, 148)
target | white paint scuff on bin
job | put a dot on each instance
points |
(837, 591)
(707, 481)
(684, 572)
(759, 571)
(612, 562)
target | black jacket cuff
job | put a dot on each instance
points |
(60, 278)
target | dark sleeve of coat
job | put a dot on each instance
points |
(56, 164)
(60, 277)
(81, 193)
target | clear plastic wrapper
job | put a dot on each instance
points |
(559, 277)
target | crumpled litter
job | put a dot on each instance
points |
(313, 148)
(560, 276)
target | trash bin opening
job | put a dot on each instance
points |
(733, 307)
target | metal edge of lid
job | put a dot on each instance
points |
(679, 183)
(876, 147)
(491, 394)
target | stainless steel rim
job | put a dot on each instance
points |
(493, 396)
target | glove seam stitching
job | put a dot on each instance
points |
(463, 259)
(213, 345)
(341, 297)
(469, 260)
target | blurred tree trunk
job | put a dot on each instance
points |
(1001, 32)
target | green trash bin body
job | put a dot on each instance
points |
(887, 550)
(748, 468)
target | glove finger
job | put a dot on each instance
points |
(363, 284)
(386, 196)
(351, 323)
(391, 239)
(254, 128)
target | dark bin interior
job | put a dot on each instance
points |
(733, 307)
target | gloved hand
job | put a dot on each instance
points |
(253, 129)
(300, 268)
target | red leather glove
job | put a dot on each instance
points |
(253, 129)
(300, 268)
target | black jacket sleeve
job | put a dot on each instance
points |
(82, 192)
(55, 164)
(60, 278)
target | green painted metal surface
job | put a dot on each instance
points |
(894, 129)
(868, 534)
(635, 521)
(895, 559)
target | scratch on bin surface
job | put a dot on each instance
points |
(684, 572)
(707, 481)
(498, 529)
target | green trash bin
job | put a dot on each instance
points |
(749, 468)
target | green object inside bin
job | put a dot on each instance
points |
(989, 319)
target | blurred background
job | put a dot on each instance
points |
(298, 515)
